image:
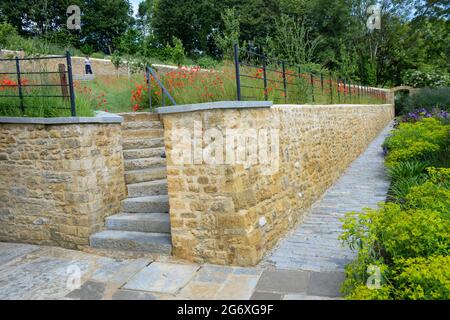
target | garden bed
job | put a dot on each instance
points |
(403, 247)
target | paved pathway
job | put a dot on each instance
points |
(308, 264)
(314, 245)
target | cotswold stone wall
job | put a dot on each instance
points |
(234, 213)
(58, 182)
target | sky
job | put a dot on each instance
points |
(135, 4)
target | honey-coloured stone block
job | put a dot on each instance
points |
(235, 213)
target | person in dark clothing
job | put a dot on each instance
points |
(87, 64)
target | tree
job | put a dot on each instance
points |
(256, 18)
(104, 21)
(178, 53)
(116, 60)
(226, 39)
(6, 32)
(191, 21)
(36, 17)
(292, 41)
(144, 16)
(129, 43)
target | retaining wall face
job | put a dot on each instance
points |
(229, 214)
(59, 182)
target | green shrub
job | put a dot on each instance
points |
(426, 98)
(393, 232)
(362, 292)
(440, 176)
(423, 278)
(410, 279)
(207, 62)
(178, 54)
(429, 196)
(385, 236)
(412, 232)
(407, 239)
(421, 141)
(426, 78)
(7, 32)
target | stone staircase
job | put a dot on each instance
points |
(144, 225)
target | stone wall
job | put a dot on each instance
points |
(59, 180)
(234, 213)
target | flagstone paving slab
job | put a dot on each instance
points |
(283, 281)
(238, 287)
(257, 295)
(307, 265)
(301, 296)
(314, 245)
(162, 278)
(90, 290)
(11, 251)
(325, 284)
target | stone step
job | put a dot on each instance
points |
(145, 175)
(142, 143)
(150, 188)
(139, 116)
(143, 133)
(143, 153)
(133, 125)
(145, 163)
(149, 204)
(132, 241)
(139, 222)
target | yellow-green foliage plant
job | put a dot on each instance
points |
(407, 239)
(423, 141)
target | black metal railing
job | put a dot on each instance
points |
(22, 89)
(149, 74)
(280, 81)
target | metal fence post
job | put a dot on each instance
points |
(312, 88)
(359, 93)
(300, 86)
(350, 90)
(339, 89)
(149, 87)
(284, 81)
(238, 76)
(345, 90)
(331, 88)
(321, 82)
(19, 84)
(71, 90)
(266, 93)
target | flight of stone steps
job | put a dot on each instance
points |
(144, 225)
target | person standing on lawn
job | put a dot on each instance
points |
(87, 65)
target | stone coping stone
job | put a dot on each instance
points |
(331, 105)
(100, 117)
(249, 104)
(214, 105)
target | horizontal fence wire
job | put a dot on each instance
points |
(278, 80)
(24, 86)
(34, 58)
